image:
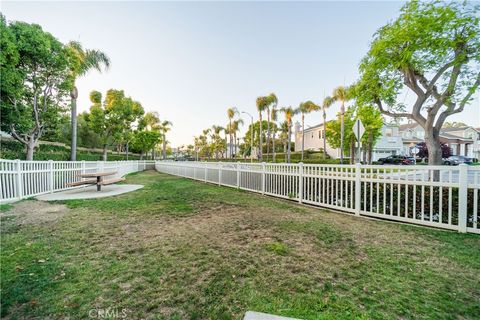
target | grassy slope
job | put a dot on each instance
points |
(180, 249)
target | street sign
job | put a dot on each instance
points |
(358, 129)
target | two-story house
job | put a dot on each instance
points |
(314, 139)
(464, 141)
(389, 143)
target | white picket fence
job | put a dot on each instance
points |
(24, 179)
(400, 193)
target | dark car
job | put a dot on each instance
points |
(456, 160)
(396, 159)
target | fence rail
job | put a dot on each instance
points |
(437, 196)
(24, 179)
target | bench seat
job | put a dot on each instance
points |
(111, 181)
(82, 182)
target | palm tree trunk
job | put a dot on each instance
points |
(303, 134)
(273, 146)
(73, 141)
(164, 151)
(289, 142)
(342, 131)
(324, 135)
(268, 132)
(260, 151)
(235, 141)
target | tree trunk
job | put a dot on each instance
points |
(30, 149)
(273, 146)
(268, 132)
(303, 134)
(370, 147)
(104, 152)
(324, 135)
(289, 142)
(141, 155)
(342, 130)
(434, 151)
(352, 151)
(235, 141)
(126, 151)
(73, 141)
(260, 151)
(164, 152)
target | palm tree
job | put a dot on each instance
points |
(262, 103)
(164, 128)
(271, 101)
(341, 94)
(231, 113)
(304, 108)
(274, 118)
(236, 128)
(327, 102)
(289, 114)
(82, 62)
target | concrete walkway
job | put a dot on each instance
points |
(252, 315)
(90, 192)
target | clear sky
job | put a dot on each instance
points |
(191, 61)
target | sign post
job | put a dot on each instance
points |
(358, 131)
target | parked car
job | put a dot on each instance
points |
(456, 160)
(396, 159)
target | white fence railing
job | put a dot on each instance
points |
(23, 179)
(438, 196)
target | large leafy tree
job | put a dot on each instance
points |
(81, 62)
(372, 120)
(144, 140)
(432, 50)
(35, 81)
(111, 117)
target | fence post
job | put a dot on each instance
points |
(462, 197)
(19, 190)
(238, 174)
(263, 177)
(300, 182)
(83, 166)
(50, 176)
(220, 173)
(358, 187)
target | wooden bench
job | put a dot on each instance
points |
(79, 183)
(111, 181)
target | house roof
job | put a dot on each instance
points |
(445, 135)
(407, 126)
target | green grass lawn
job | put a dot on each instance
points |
(181, 249)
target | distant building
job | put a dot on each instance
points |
(463, 141)
(390, 143)
(314, 137)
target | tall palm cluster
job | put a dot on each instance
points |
(268, 133)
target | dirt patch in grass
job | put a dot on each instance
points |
(32, 212)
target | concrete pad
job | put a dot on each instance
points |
(252, 315)
(90, 192)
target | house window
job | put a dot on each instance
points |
(388, 132)
(320, 134)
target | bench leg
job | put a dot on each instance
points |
(99, 186)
